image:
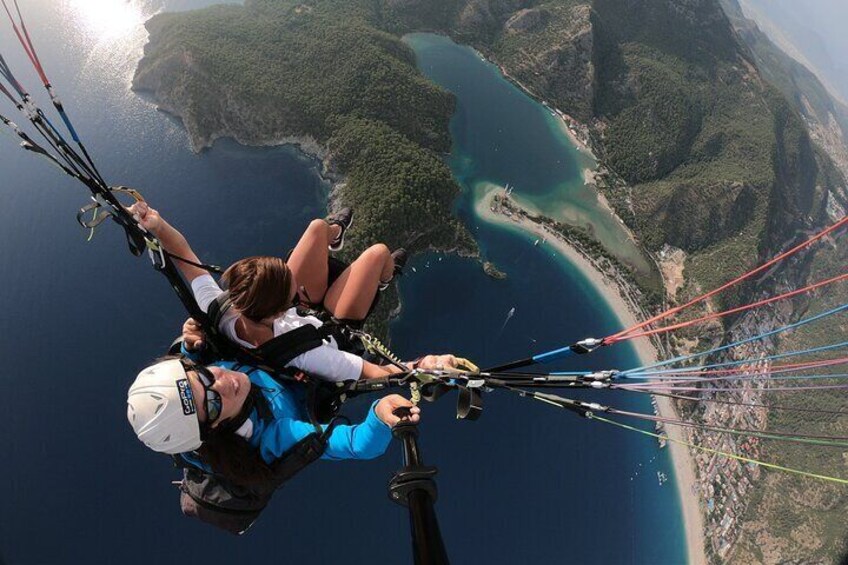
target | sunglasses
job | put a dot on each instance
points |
(213, 401)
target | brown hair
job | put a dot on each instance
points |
(259, 286)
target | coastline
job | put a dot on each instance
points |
(684, 467)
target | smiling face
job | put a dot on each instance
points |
(231, 385)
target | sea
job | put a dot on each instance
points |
(526, 483)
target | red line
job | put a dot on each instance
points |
(665, 387)
(623, 334)
(8, 94)
(36, 60)
(27, 48)
(735, 310)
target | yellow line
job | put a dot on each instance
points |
(723, 453)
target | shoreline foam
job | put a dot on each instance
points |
(684, 468)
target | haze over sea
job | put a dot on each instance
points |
(526, 483)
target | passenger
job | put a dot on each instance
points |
(266, 290)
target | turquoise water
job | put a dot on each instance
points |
(570, 490)
(517, 141)
(80, 319)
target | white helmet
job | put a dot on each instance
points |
(161, 409)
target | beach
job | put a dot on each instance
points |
(628, 315)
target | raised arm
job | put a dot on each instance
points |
(172, 240)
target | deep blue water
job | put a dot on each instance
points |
(80, 319)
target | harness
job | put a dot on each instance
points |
(278, 352)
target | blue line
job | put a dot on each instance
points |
(742, 342)
(552, 355)
(69, 126)
(735, 363)
(52, 127)
(10, 78)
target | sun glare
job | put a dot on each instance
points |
(109, 19)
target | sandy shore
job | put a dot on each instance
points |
(684, 467)
(579, 143)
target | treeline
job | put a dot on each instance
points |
(297, 67)
(402, 191)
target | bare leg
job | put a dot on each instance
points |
(309, 259)
(351, 295)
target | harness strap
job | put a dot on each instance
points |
(279, 351)
(218, 308)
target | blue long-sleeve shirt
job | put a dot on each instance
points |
(366, 440)
(290, 424)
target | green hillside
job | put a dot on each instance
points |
(679, 110)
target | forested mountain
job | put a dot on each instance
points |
(679, 111)
(825, 116)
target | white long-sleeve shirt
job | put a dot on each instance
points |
(326, 361)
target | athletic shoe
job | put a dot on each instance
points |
(400, 256)
(343, 218)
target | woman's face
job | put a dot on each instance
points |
(231, 385)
